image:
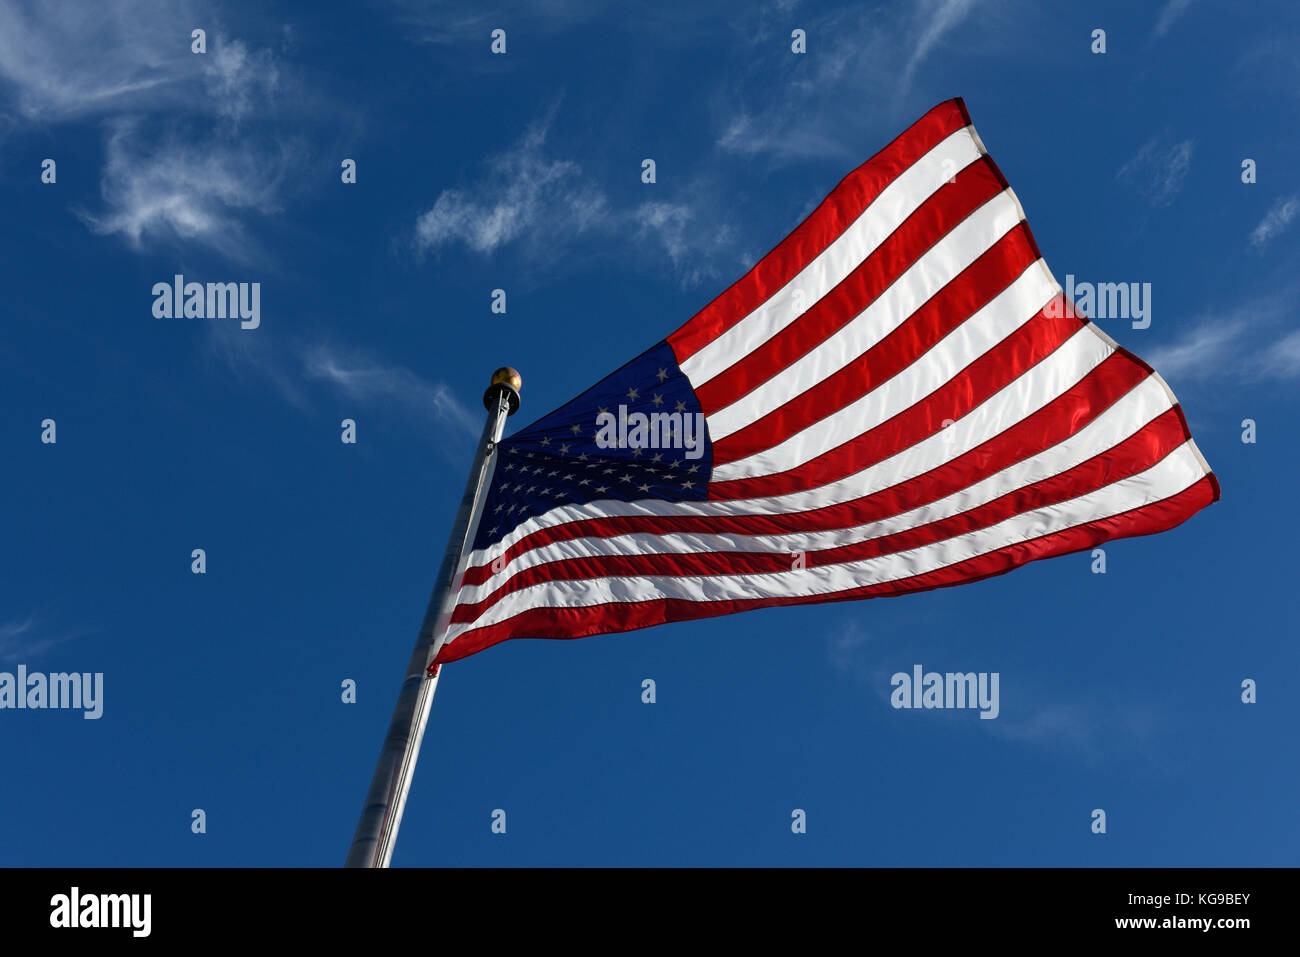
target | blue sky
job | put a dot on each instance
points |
(222, 692)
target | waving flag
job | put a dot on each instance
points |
(896, 398)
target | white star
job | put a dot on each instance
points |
(632, 393)
(585, 482)
(582, 457)
(687, 484)
(546, 440)
(644, 488)
(658, 400)
(663, 374)
(692, 470)
(637, 451)
(564, 450)
(658, 458)
(681, 406)
(625, 478)
(602, 488)
(575, 428)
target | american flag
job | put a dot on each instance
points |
(897, 398)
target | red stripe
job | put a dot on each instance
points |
(616, 616)
(1034, 341)
(1056, 421)
(822, 227)
(935, 218)
(966, 294)
(1135, 454)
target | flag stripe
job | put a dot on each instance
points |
(1100, 411)
(605, 609)
(1135, 454)
(936, 218)
(857, 216)
(1015, 365)
(974, 347)
(959, 300)
(942, 263)
(1170, 475)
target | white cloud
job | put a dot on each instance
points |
(1159, 170)
(446, 23)
(862, 63)
(178, 166)
(936, 19)
(69, 58)
(1205, 350)
(846, 651)
(366, 380)
(694, 248)
(1281, 360)
(524, 189)
(183, 190)
(547, 207)
(1173, 10)
(1279, 216)
(22, 638)
(1236, 343)
(238, 79)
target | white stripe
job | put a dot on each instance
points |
(1173, 474)
(1122, 419)
(938, 266)
(873, 226)
(1057, 373)
(1003, 315)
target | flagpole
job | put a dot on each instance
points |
(372, 844)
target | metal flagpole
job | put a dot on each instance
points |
(372, 845)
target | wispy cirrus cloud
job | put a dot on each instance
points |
(1278, 218)
(846, 651)
(1239, 343)
(180, 190)
(181, 163)
(868, 62)
(523, 187)
(365, 379)
(24, 637)
(542, 204)
(1170, 14)
(444, 23)
(1158, 169)
(69, 58)
(935, 20)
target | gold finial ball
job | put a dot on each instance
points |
(509, 377)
